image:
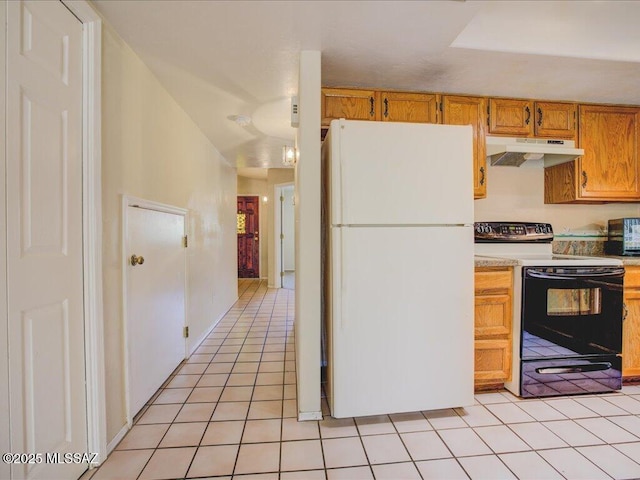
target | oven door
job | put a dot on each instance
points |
(571, 311)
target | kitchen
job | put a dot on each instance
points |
(508, 189)
(465, 70)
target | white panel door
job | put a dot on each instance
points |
(402, 173)
(44, 236)
(155, 301)
(402, 332)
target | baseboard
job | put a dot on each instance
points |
(307, 416)
(193, 346)
(116, 440)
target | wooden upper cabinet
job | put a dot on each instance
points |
(609, 167)
(409, 107)
(555, 120)
(526, 118)
(353, 104)
(510, 117)
(462, 110)
(356, 104)
(609, 170)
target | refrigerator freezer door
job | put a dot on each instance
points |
(401, 173)
(401, 320)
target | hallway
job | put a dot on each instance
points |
(230, 410)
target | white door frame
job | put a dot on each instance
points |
(277, 231)
(130, 201)
(92, 224)
(5, 437)
(92, 221)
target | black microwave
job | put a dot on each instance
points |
(624, 237)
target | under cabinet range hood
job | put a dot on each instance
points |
(514, 151)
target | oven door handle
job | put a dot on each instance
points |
(587, 367)
(571, 276)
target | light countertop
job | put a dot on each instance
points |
(482, 261)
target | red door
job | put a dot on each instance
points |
(248, 237)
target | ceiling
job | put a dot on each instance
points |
(224, 59)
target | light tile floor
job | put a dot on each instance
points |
(229, 412)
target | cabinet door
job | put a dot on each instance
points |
(631, 333)
(555, 120)
(493, 314)
(409, 107)
(459, 110)
(492, 361)
(510, 117)
(351, 104)
(608, 170)
(631, 323)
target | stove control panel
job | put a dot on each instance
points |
(512, 232)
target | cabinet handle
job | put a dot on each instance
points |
(481, 175)
(528, 119)
(625, 312)
(386, 108)
(371, 102)
(539, 117)
(584, 179)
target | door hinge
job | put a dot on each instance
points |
(282, 236)
(185, 241)
(185, 332)
(282, 198)
(282, 274)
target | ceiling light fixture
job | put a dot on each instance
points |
(289, 156)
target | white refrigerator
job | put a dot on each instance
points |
(398, 267)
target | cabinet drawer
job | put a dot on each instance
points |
(493, 315)
(493, 279)
(632, 277)
(492, 360)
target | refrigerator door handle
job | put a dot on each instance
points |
(343, 287)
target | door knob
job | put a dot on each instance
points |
(136, 260)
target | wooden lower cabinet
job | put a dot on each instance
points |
(631, 323)
(492, 361)
(493, 324)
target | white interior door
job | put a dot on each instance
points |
(155, 300)
(44, 236)
(288, 230)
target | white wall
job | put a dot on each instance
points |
(257, 186)
(153, 150)
(517, 193)
(4, 346)
(307, 219)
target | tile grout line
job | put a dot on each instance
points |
(173, 422)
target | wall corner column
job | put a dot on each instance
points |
(308, 238)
